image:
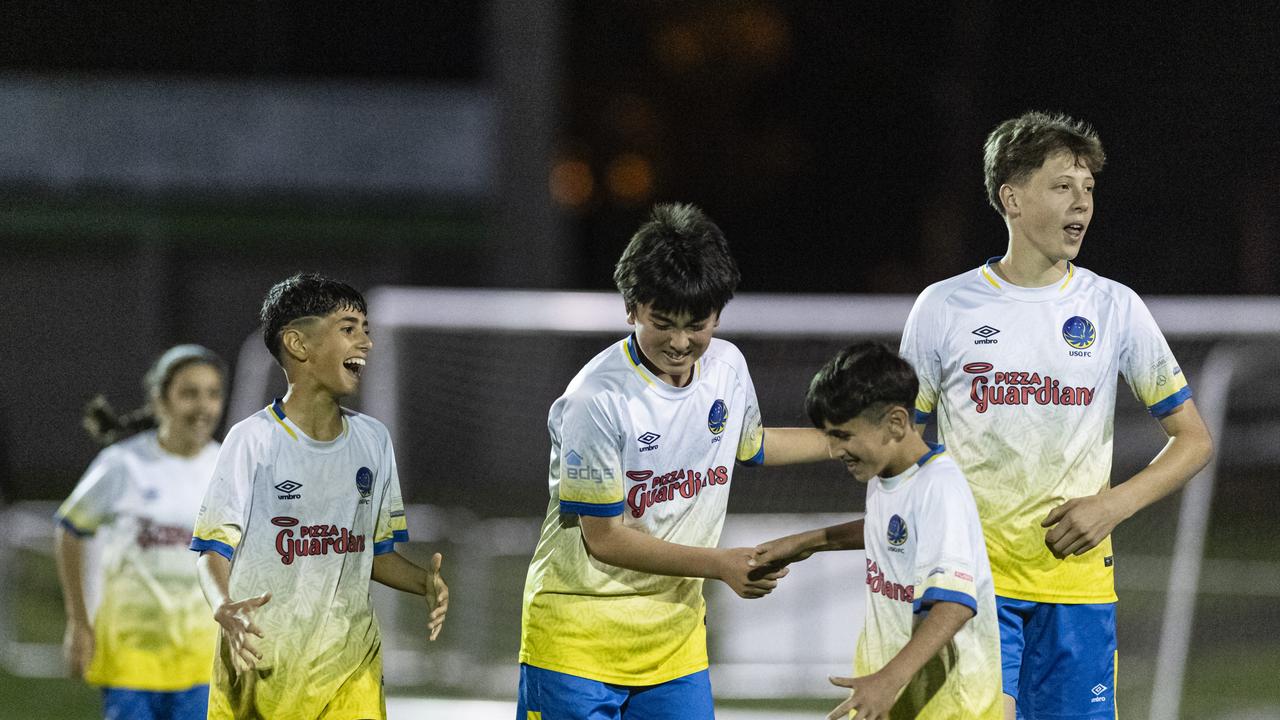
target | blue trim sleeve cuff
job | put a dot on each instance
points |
(73, 529)
(592, 509)
(922, 417)
(1171, 403)
(935, 594)
(757, 459)
(386, 546)
(223, 549)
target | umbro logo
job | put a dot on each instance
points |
(289, 488)
(648, 441)
(986, 333)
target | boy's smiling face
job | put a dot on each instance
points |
(671, 342)
(336, 348)
(863, 445)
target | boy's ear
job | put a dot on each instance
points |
(900, 423)
(293, 341)
(1009, 198)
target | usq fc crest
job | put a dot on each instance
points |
(364, 481)
(715, 419)
(1079, 332)
(897, 530)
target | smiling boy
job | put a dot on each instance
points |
(929, 647)
(643, 445)
(1018, 361)
(303, 509)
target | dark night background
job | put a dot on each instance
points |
(163, 164)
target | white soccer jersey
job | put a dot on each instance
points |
(303, 519)
(623, 442)
(1023, 382)
(924, 545)
(152, 628)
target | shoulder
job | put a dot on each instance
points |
(139, 445)
(939, 295)
(366, 426)
(610, 371)
(1105, 289)
(726, 355)
(942, 475)
(253, 430)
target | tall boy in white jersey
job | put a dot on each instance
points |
(643, 446)
(303, 509)
(1017, 360)
(929, 648)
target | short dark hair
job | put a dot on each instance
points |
(865, 376)
(303, 295)
(680, 262)
(1018, 147)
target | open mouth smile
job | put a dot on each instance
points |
(354, 365)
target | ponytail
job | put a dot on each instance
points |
(106, 427)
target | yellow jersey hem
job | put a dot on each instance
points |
(1016, 593)
(628, 680)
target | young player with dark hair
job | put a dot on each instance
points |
(1018, 361)
(643, 445)
(148, 641)
(929, 646)
(303, 510)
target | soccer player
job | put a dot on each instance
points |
(149, 640)
(303, 509)
(1017, 360)
(929, 646)
(643, 446)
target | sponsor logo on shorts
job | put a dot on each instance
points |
(1098, 691)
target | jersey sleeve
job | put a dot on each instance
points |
(1148, 364)
(946, 560)
(390, 527)
(921, 343)
(93, 501)
(751, 441)
(220, 523)
(588, 458)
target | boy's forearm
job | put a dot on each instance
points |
(1187, 452)
(398, 572)
(69, 553)
(214, 573)
(944, 621)
(609, 541)
(788, 446)
(845, 536)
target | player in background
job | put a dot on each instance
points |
(303, 509)
(643, 445)
(1017, 361)
(929, 646)
(148, 642)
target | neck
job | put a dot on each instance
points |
(177, 444)
(909, 451)
(314, 411)
(1025, 267)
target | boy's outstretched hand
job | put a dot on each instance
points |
(236, 619)
(739, 571)
(437, 598)
(871, 697)
(785, 550)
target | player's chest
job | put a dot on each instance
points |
(315, 484)
(892, 537)
(1032, 349)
